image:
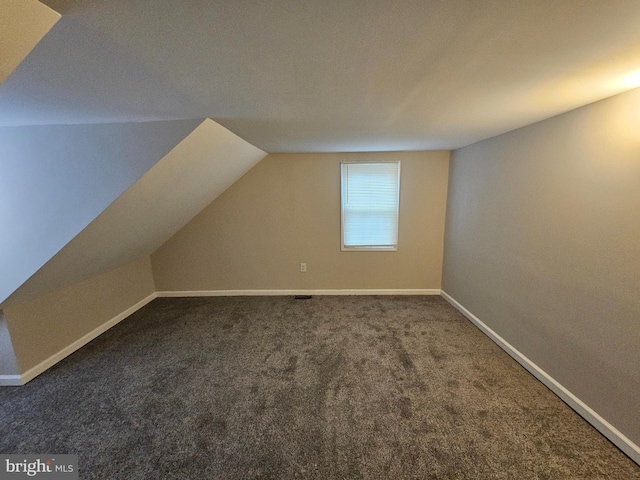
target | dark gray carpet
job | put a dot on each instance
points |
(327, 388)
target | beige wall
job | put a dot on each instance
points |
(44, 326)
(286, 210)
(543, 245)
(23, 23)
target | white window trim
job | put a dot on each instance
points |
(367, 248)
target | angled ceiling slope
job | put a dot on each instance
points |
(163, 200)
(23, 23)
(56, 179)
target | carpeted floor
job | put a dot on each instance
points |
(327, 388)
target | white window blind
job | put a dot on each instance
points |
(370, 198)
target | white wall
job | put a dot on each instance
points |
(8, 361)
(543, 245)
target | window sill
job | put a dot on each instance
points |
(369, 249)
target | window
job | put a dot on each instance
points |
(370, 199)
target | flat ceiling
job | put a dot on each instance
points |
(328, 75)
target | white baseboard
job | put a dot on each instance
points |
(237, 293)
(17, 380)
(608, 430)
(68, 350)
(10, 381)
(586, 412)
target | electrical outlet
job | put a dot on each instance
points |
(303, 267)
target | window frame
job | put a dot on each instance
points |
(367, 248)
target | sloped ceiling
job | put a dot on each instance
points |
(55, 179)
(162, 201)
(328, 75)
